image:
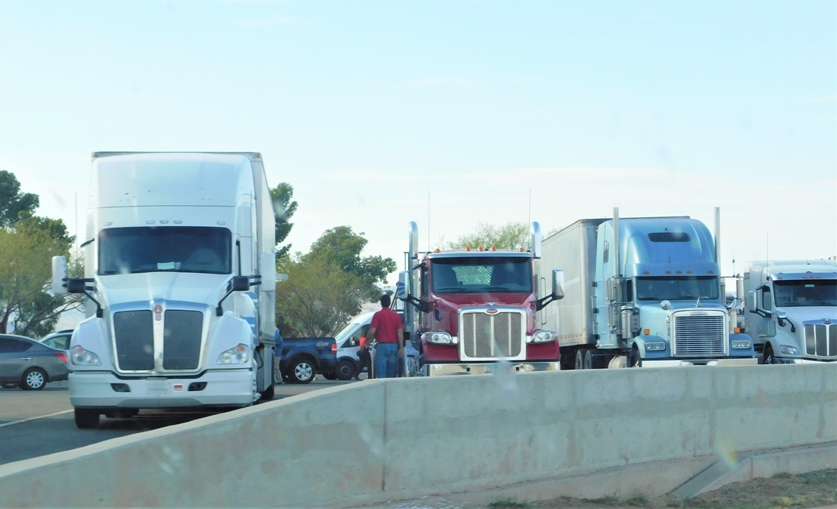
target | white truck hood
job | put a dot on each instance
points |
(169, 286)
(802, 314)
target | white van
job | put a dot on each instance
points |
(348, 345)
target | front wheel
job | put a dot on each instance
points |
(769, 358)
(636, 360)
(34, 380)
(302, 371)
(86, 418)
(268, 393)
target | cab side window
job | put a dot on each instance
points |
(766, 300)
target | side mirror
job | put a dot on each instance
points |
(557, 284)
(240, 284)
(781, 315)
(752, 302)
(59, 275)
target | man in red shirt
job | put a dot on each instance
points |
(389, 331)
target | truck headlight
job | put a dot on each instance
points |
(655, 346)
(440, 338)
(740, 343)
(238, 355)
(81, 357)
(789, 350)
(543, 336)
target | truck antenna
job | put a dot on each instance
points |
(428, 220)
(529, 221)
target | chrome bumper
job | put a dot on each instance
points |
(673, 363)
(487, 368)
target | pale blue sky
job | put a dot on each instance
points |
(660, 108)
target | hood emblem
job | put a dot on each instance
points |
(158, 312)
(826, 321)
(492, 311)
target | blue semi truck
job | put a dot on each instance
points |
(641, 292)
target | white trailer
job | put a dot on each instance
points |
(180, 276)
(791, 310)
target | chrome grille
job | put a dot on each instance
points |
(821, 340)
(182, 339)
(699, 335)
(497, 336)
(134, 336)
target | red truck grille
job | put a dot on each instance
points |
(484, 336)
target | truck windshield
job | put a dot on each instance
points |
(807, 292)
(677, 288)
(482, 274)
(164, 249)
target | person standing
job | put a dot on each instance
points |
(389, 331)
(277, 356)
(365, 360)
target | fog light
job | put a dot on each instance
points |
(120, 387)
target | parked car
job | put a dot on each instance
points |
(28, 364)
(304, 358)
(59, 340)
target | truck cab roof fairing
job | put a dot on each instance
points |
(154, 180)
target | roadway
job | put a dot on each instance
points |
(36, 423)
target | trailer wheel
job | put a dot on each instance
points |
(86, 418)
(588, 359)
(579, 359)
(769, 358)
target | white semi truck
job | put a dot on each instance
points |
(644, 292)
(180, 278)
(791, 310)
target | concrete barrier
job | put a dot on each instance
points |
(392, 439)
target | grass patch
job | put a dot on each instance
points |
(509, 503)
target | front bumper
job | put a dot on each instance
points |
(786, 360)
(231, 387)
(491, 367)
(672, 363)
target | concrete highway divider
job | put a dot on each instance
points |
(393, 439)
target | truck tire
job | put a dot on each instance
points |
(636, 360)
(768, 358)
(330, 375)
(86, 418)
(579, 359)
(588, 359)
(301, 371)
(268, 393)
(34, 379)
(345, 369)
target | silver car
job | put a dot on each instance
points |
(28, 364)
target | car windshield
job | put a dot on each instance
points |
(164, 249)
(679, 288)
(802, 293)
(496, 274)
(346, 332)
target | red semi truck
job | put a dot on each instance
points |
(469, 310)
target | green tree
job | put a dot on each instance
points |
(12, 201)
(285, 206)
(513, 235)
(25, 273)
(317, 299)
(342, 247)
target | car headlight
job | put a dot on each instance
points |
(238, 355)
(543, 336)
(440, 338)
(740, 343)
(789, 350)
(655, 346)
(81, 357)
